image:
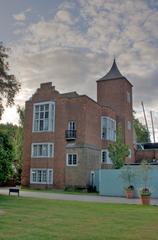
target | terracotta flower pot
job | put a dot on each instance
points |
(145, 200)
(145, 196)
(129, 193)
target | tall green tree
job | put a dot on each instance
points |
(19, 143)
(9, 86)
(10, 130)
(6, 157)
(142, 134)
(15, 137)
(118, 151)
(8, 135)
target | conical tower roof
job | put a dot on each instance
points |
(114, 73)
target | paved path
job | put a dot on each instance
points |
(71, 197)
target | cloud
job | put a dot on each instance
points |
(76, 47)
(69, 70)
(63, 16)
(20, 17)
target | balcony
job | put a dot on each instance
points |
(70, 134)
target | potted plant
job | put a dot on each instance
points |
(145, 192)
(129, 191)
(128, 175)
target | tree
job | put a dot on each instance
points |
(7, 152)
(10, 130)
(19, 143)
(6, 157)
(9, 86)
(118, 151)
(142, 134)
(21, 112)
(128, 175)
(14, 134)
(145, 169)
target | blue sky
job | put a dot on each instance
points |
(72, 43)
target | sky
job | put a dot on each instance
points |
(72, 43)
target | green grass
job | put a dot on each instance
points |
(61, 191)
(40, 219)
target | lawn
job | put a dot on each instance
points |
(60, 191)
(40, 219)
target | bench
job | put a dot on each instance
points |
(14, 190)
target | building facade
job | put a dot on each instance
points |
(66, 136)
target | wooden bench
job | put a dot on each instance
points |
(14, 190)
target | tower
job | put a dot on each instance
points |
(115, 91)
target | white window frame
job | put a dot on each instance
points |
(114, 131)
(71, 125)
(129, 153)
(67, 158)
(48, 170)
(43, 143)
(109, 161)
(51, 118)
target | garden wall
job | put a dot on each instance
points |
(146, 154)
(110, 183)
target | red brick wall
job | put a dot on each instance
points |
(147, 154)
(87, 115)
(113, 93)
(26, 146)
(66, 109)
(106, 111)
(80, 109)
(45, 93)
(74, 109)
(92, 123)
(106, 166)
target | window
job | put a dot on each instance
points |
(71, 125)
(42, 150)
(129, 125)
(108, 128)
(71, 159)
(41, 176)
(43, 117)
(71, 132)
(105, 157)
(129, 153)
(128, 97)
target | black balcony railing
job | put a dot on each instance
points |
(70, 134)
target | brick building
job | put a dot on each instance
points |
(66, 135)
